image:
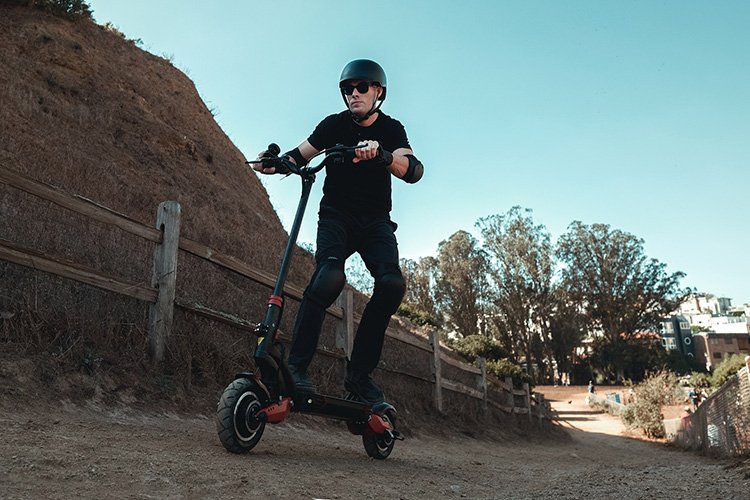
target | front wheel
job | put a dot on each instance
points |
(380, 446)
(237, 423)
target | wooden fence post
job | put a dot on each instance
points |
(482, 365)
(528, 399)
(435, 343)
(164, 278)
(345, 328)
(511, 397)
(539, 405)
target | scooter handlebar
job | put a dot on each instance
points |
(332, 155)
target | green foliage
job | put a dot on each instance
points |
(567, 326)
(505, 368)
(476, 346)
(623, 291)
(654, 392)
(420, 279)
(460, 282)
(639, 356)
(726, 369)
(64, 8)
(521, 266)
(700, 380)
(358, 276)
(408, 311)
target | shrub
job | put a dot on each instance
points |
(700, 380)
(64, 8)
(654, 392)
(475, 346)
(408, 311)
(726, 369)
(502, 368)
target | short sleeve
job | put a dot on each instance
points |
(324, 134)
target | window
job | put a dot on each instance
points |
(714, 341)
(684, 325)
(717, 355)
(728, 340)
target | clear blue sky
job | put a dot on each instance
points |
(634, 113)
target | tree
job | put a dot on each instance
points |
(358, 276)
(521, 269)
(460, 283)
(622, 291)
(567, 326)
(420, 284)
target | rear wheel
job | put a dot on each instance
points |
(237, 423)
(379, 446)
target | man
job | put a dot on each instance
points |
(354, 216)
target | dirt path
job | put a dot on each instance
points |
(89, 452)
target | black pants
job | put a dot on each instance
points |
(339, 236)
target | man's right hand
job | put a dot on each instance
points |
(273, 165)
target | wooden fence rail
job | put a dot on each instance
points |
(161, 294)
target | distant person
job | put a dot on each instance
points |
(354, 216)
(592, 389)
(695, 397)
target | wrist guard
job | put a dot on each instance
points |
(384, 157)
(296, 155)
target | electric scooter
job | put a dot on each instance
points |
(254, 399)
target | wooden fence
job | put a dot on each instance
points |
(162, 296)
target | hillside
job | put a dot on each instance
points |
(87, 111)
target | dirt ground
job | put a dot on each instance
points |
(65, 451)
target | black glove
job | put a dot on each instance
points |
(271, 159)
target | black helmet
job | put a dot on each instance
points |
(367, 70)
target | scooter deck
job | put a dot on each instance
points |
(330, 406)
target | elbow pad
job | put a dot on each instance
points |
(415, 170)
(295, 154)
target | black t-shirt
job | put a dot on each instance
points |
(361, 188)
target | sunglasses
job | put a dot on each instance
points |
(362, 87)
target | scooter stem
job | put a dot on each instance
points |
(307, 182)
(273, 314)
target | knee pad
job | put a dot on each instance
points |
(328, 281)
(389, 291)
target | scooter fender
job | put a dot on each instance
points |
(378, 424)
(252, 376)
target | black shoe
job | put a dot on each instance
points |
(301, 381)
(363, 388)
